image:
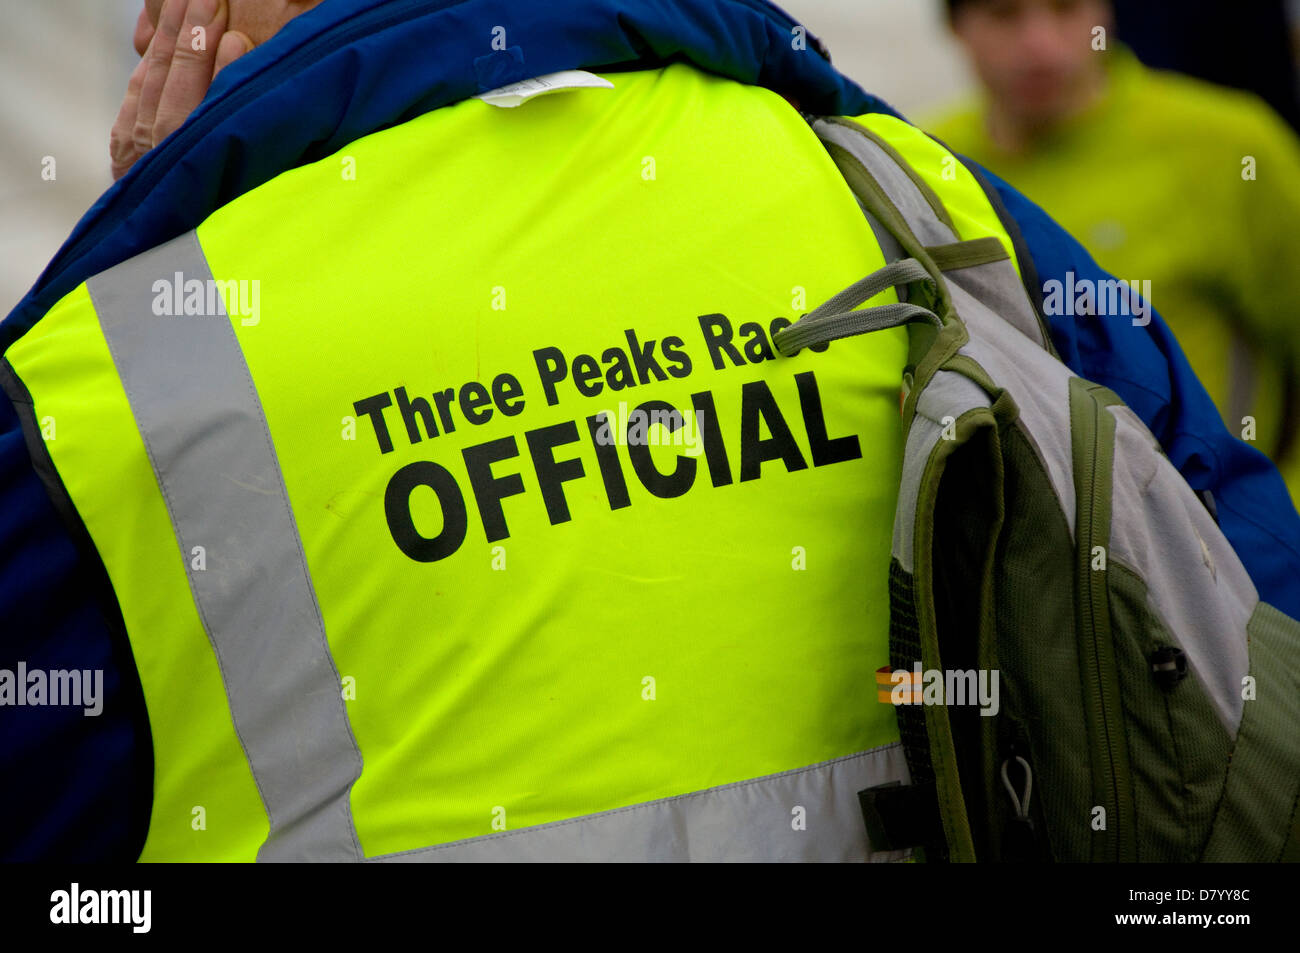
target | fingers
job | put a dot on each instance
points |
(193, 64)
(144, 31)
(159, 58)
(121, 141)
(233, 45)
(187, 49)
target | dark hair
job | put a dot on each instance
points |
(955, 6)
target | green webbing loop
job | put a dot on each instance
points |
(837, 318)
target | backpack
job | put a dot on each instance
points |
(1082, 668)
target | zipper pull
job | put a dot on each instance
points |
(1019, 838)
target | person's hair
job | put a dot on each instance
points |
(954, 6)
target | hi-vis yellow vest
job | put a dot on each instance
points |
(458, 506)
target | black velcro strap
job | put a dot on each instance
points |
(899, 817)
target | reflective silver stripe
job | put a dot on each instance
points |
(207, 438)
(757, 820)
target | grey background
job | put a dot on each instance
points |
(64, 66)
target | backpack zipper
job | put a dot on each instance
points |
(1093, 429)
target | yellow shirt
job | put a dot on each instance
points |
(1195, 188)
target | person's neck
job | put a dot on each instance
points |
(1015, 133)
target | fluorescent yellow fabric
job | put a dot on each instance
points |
(956, 187)
(206, 804)
(1154, 180)
(573, 666)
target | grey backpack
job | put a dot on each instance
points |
(1148, 703)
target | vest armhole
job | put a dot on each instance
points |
(94, 576)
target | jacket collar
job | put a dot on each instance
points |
(348, 68)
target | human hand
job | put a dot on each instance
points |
(186, 50)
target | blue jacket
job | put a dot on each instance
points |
(78, 787)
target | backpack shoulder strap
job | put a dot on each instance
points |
(1006, 447)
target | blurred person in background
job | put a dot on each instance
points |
(1167, 179)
